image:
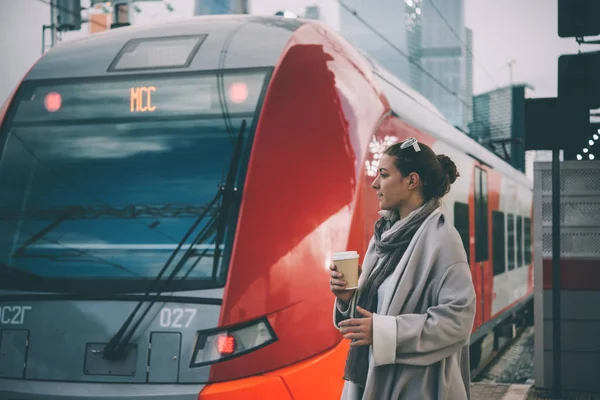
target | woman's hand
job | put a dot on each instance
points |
(337, 285)
(359, 330)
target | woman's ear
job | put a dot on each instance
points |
(413, 180)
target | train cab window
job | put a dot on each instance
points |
(481, 215)
(519, 241)
(498, 242)
(527, 240)
(106, 181)
(461, 223)
(510, 240)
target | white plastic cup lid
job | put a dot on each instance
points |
(344, 255)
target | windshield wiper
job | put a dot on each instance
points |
(229, 194)
(115, 348)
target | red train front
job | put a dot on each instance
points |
(174, 196)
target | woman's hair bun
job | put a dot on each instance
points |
(448, 167)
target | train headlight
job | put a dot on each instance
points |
(222, 344)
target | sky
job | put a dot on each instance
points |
(503, 30)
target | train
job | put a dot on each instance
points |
(171, 197)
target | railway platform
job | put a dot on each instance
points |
(507, 391)
(536, 394)
(499, 391)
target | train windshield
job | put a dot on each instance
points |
(102, 182)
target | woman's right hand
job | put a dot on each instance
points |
(337, 285)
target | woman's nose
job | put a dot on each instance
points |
(375, 184)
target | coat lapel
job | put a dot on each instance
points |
(396, 277)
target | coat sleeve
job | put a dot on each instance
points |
(341, 312)
(424, 339)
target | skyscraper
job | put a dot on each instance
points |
(387, 18)
(210, 7)
(468, 114)
(499, 122)
(312, 12)
(414, 32)
(443, 56)
(422, 42)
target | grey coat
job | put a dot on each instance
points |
(422, 329)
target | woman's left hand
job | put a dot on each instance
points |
(360, 330)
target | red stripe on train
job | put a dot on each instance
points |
(576, 274)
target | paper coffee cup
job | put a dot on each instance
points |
(346, 262)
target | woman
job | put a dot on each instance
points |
(411, 317)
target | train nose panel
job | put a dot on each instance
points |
(13, 346)
(65, 341)
(165, 351)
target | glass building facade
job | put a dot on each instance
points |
(379, 29)
(443, 55)
(210, 7)
(499, 122)
(468, 114)
(422, 42)
(312, 12)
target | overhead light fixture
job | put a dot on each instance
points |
(579, 157)
(591, 142)
(595, 137)
(585, 150)
(592, 157)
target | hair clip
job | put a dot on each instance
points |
(411, 142)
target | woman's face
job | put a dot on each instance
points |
(392, 188)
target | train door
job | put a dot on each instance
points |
(481, 238)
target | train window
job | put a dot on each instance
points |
(519, 241)
(481, 216)
(461, 223)
(156, 174)
(498, 242)
(510, 240)
(527, 240)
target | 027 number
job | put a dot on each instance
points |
(177, 317)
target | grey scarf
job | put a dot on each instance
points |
(390, 251)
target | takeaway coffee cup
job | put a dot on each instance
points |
(346, 262)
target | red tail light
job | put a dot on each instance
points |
(226, 344)
(216, 345)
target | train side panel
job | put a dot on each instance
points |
(309, 141)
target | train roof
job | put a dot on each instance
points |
(420, 113)
(96, 54)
